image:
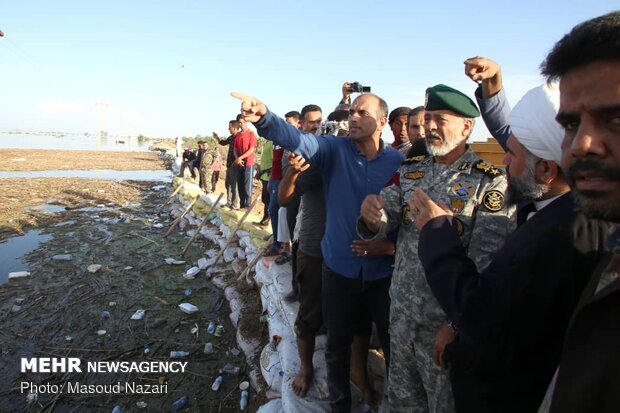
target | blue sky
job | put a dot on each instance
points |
(165, 68)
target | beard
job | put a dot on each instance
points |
(446, 146)
(595, 204)
(524, 188)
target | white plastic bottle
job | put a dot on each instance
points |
(217, 383)
(243, 402)
(178, 354)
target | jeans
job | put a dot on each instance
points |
(274, 206)
(343, 300)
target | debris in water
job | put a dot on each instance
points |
(93, 268)
(62, 257)
(173, 261)
(188, 308)
(18, 274)
(138, 315)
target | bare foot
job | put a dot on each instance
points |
(302, 381)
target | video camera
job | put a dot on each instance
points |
(356, 87)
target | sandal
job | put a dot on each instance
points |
(283, 258)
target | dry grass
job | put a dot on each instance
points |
(51, 159)
(20, 193)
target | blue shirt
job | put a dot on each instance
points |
(348, 177)
(495, 113)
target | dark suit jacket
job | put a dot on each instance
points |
(511, 317)
(589, 375)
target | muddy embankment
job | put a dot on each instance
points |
(64, 310)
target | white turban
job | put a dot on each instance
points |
(533, 122)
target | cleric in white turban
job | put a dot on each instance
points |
(533, 122)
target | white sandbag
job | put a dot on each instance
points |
(273, 406)
(271, 368)
(229, 254)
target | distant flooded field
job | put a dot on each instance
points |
(72, 142)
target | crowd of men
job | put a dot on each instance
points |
(491, 289)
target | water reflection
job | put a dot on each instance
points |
(108, 174)
(72, 142)
(49, 208)
(13, 250)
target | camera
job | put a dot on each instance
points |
(356, 87)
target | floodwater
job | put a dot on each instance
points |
(14, 249)
(72, 142)
(108, 174)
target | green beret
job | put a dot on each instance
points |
(442, 97)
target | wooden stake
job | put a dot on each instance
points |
(232, 234)
(204, 221)
(169, 199)
(176, 221)
(246, 272)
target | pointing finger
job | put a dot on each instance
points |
(240, 96)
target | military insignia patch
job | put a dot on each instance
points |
(413, 159)
(458, 225)
(465, 166)
(415, 175)
(463, 189)
(457, 205)
(493, 200)
(488, 169)
(406, 218)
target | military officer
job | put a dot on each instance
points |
(206, 168)
(474, 191)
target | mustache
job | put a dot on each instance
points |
(586, 165)
(433, 134)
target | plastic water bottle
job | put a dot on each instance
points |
(211, 327)
(147, 349)
(117, 409)
(217, 383)
(180, 403)
(243, 401)
(178, 354)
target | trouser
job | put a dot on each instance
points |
(244, 184)
(294, 283)
(264, 196)
(214, 178)
(343, 300)
(417, 385)
(231, 186)
(274, 206)
(206, 176)
(292, 208)
(187, 165)
(310, 279)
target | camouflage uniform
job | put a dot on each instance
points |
(206, 170)
(474, 190)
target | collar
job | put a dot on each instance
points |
(545, 202)
(465, 162)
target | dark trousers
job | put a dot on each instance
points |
(310, 279)
(187, 165)
(264, 196)
(292, 208)
(343, 300)
(231, 186)
(274, 206)
(244, 184)
(214, 178)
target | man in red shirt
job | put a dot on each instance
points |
(245, 145)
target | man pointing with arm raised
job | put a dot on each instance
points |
(352, 167)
